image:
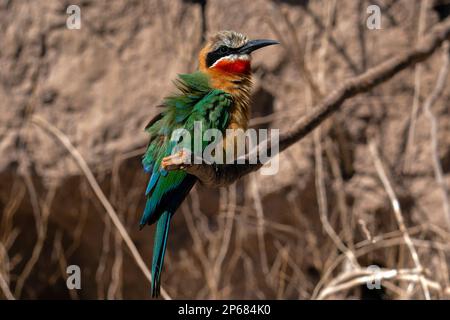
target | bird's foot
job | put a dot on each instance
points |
(178, 161)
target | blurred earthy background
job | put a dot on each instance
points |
(310, 231)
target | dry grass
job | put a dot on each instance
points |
(311, 239)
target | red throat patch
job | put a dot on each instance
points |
(233, 66)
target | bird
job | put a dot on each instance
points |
(217, 95)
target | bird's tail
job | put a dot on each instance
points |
(159, 249)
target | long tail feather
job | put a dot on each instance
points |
(159, 249)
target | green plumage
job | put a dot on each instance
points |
(195, 101)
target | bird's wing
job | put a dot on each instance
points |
(196, 102)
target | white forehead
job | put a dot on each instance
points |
(228, 38)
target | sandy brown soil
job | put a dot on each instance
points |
(99, 85)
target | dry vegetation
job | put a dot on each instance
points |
(367, 187)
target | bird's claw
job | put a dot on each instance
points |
(177, 161)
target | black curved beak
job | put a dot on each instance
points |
(253, 45)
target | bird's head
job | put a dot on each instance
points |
(227, 53)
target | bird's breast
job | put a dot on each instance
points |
(239, 87)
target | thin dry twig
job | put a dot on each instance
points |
(101, 268)
(198, 247)
(5, 288)
(41, 225)
(355, 278)
(62, 262)
(339, 189)
(64, 140)
(227, 230)
(424, 5)
(429, 102)
(260, 223)
(319, 172)
(5, 268)
(363, 248)
(114, 290)
(18, 191)
(398, 215)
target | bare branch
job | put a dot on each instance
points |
(222, 175)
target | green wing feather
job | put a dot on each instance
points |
(196, 101)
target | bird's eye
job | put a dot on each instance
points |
(223, 49)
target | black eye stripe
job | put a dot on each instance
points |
(223, 49)
(220, 52)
